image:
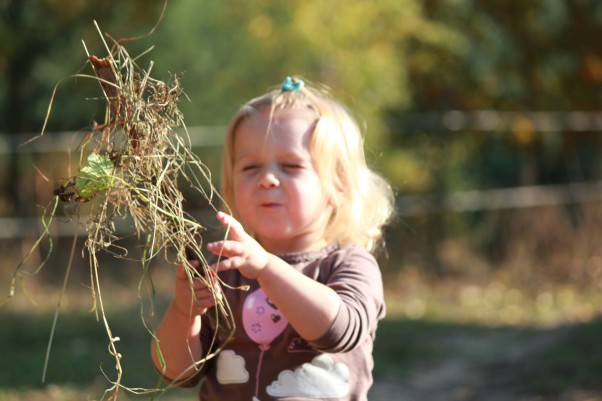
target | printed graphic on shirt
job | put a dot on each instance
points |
(298, 344)
(262, 322)
(261, 319)
(231, 368)
(321, 378)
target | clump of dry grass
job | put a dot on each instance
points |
(132, 166)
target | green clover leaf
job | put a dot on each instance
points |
(95, 177)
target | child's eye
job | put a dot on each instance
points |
(292, 166)
(249, 167)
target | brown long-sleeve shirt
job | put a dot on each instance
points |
(267, 360)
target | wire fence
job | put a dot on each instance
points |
(14, 227)
(502, 121)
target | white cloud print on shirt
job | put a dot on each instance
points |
(321, 378)
(231, 368)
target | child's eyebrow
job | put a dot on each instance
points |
(302, 155)
(243, 157)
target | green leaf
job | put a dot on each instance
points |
(95, 177)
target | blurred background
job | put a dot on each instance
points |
(483, 115)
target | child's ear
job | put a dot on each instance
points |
(332, 199)
(336, 193)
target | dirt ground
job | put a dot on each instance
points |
(478, 368)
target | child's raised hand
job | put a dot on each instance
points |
(242, 251)
(196, 297)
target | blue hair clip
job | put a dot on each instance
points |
(292, 84)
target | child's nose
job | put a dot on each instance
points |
(268, 179)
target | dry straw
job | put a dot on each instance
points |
(132, 166)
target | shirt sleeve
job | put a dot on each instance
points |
(356, 278)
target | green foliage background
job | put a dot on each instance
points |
(401, 65)
(383, 59)
(421, 76)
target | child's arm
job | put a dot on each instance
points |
(309, 306)
(179, 330)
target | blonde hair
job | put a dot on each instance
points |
(363, 201)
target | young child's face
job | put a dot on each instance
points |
(277, 190)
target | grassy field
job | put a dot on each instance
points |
(541, 344)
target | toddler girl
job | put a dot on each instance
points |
(306, 212)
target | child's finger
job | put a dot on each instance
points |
(228, 264)
(236, 230)
(204, 292)
(181, 272)
(226, 248)
(195, 263)
(181, 269)
(215, 247)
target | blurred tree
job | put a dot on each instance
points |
(385, 60)
(231, 51)
(507, 56)
(37, 42)
(41, 44)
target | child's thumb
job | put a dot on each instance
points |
(181, 272)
